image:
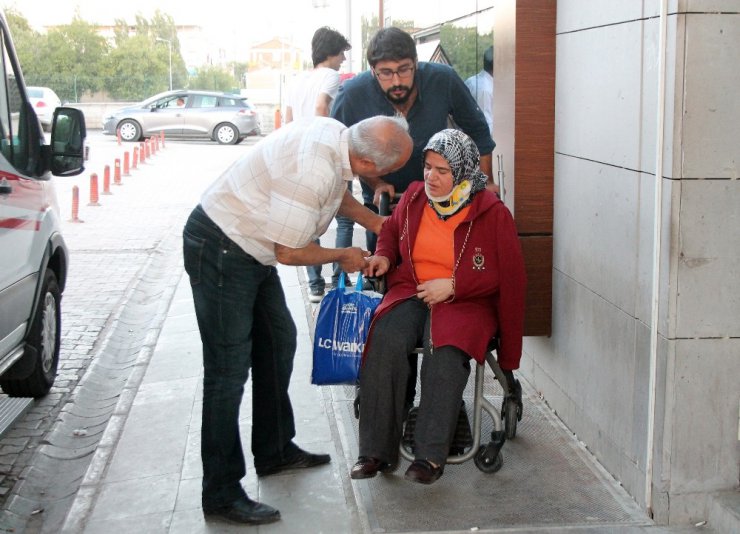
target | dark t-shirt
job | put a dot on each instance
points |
(441, 96)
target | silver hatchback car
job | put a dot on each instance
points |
(225, 118)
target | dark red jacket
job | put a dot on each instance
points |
(490, 280)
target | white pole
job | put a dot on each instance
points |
(657, 237)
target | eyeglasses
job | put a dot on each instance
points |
(386, 75)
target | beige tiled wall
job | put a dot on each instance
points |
(594, 368)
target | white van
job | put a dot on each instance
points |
(33, 257)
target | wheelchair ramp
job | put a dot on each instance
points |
(547, 482)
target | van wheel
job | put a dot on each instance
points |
(44, 338)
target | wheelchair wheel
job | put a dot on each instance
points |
(486, 465)
(511, 414)
(356, 403)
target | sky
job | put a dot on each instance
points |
(254, 21)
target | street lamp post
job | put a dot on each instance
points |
(169, 48)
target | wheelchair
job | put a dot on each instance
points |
(467, 443)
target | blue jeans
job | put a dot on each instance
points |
(244, 323)
(315, 279)
(345, 232)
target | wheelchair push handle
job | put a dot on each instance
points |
(385, 204)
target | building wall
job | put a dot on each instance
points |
(594, 370)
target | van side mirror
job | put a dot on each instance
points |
(68, 135)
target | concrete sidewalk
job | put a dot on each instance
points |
(146, 474)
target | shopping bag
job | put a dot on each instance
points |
(340, 334)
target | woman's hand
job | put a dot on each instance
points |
(436, 291)
(376, 266)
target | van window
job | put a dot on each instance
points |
(13, 138)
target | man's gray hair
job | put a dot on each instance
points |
(366, 141)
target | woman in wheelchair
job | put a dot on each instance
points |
(455, 278)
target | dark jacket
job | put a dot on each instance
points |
(490, 280)
(442, 95)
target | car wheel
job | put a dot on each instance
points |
(44, 339)
(129, 130)
(226, 134)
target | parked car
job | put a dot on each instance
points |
(33, 256)
(225, 118)
(44, 101)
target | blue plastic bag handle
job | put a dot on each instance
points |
(358, 284)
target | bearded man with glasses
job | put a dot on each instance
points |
(431, 96)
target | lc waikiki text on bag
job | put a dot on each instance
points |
(341, 330)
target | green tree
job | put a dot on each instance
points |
(28, 45)
(464, 47)
(368, 29)
(213, 79)
(26, 38)
(139, 64)
(239, 70)
(134, 70)
(72, 59)
(162, 26)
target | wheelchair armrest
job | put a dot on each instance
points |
(377, 283)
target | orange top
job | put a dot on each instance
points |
(434, 252)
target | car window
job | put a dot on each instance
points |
(231, 102)
(169, 102)
(204, 101)
(177, 102)
(35, 92)
(13, 142)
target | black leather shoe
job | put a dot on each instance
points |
(423, 472)
(368, 467)
(300, 460)
(244, 511)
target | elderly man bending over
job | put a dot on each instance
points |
(269, 207)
